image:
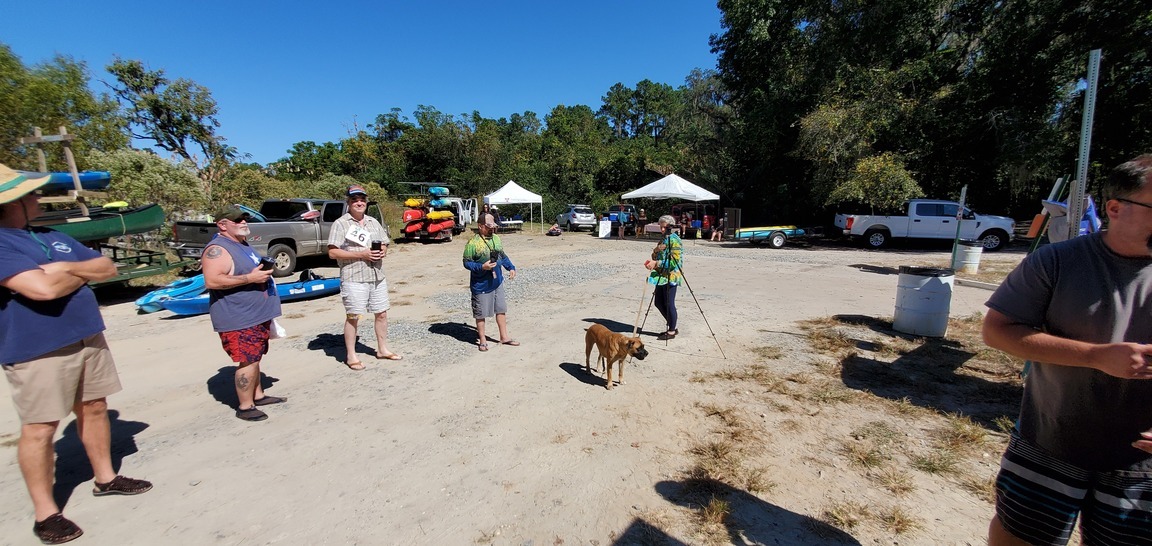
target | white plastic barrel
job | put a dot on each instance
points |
(923, 299)
(967, 258)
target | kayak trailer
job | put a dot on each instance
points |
(774, 236)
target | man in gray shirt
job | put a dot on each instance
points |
(1081, 310)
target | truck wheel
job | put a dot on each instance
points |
(285, 259)
(994, 239)
(876, 238)
(777, 240)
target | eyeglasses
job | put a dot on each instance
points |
(358, 198)
(1131, 202)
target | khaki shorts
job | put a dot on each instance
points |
(46, 389)
(365, 297)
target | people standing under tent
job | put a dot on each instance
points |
(665, 274)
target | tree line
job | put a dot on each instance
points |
(812, 106)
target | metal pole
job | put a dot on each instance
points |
(1076, 193)
(959, 220)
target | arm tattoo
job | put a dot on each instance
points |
(213, 252)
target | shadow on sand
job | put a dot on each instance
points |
(72, 466)
(222, 387)
(750, 520)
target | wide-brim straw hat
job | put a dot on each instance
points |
(15, 184)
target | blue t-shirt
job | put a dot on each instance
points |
(30, 328)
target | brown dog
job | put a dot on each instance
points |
(613, 348)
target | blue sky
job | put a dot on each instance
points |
(290, 71)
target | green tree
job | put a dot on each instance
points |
(53, 95)
(177, 115)
(880, 182)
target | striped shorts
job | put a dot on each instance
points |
(1038, 499)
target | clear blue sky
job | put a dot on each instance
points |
(290, 71)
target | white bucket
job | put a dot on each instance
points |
(967, 258)
(923, 299)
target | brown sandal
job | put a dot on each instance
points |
(356, 365)
(56, 529)
(122, 485)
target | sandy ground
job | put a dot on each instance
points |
(517, 445)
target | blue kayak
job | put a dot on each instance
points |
(183, 288)
(290, 291)
(89, 180)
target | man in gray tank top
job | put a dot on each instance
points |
(242, 304)
(1081, 311)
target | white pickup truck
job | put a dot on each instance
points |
(928, 219)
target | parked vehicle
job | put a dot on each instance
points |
(630, 211)
(928, 219)
(576, 217)
(773, 236)
(292, 228)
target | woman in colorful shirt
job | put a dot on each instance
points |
(665, 264)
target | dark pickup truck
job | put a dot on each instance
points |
(284, 230)
(614, 215)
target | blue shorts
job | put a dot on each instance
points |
(1039, 497)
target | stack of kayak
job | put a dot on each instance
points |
(431, 214)
(190, 296)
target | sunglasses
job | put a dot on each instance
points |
(1131, 202)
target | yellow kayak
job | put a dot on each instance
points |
(440, 215)
(414, 202)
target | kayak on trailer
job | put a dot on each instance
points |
(89, 180)
(183, 288)
(412, 214)
(313, 287)
(103, 222)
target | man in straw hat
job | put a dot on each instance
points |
(53, 351)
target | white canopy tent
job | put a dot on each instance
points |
(512, 193)
(672, 187)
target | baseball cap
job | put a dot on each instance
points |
(233, 213)
(356, 189)
(490, 221)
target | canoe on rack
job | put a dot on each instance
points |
(103, 223)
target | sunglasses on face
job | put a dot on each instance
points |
(1131, 202)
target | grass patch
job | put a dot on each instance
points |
(899, 521)
(983, 489)
(894, 481)
(937, 461)
(768, 352)
(846, 515)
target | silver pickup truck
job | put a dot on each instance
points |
(283, 229)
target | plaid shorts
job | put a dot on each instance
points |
(247, 345)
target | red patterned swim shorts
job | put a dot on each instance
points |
(247, 345)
